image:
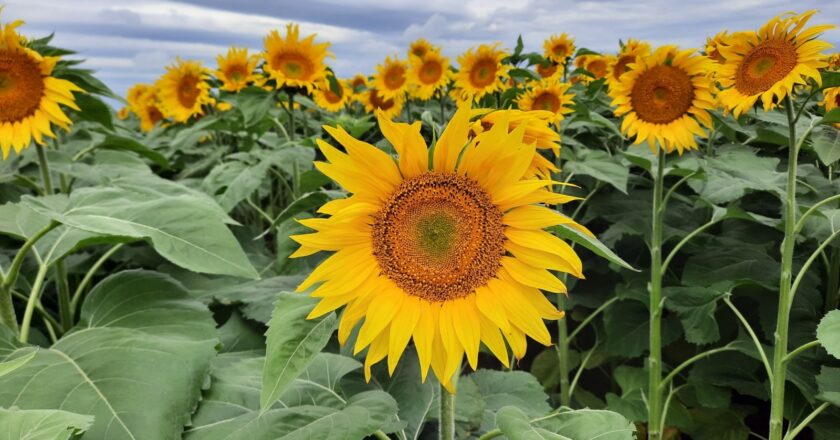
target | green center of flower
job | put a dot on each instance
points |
(765, 65)
(436, 233)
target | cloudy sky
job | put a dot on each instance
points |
(129, 41)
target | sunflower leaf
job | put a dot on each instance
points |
(42, 424)
(591, 243)
(828, 333)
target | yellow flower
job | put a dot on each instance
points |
(329, 100)
(133, 95)
(236, 69)
(482, 71)
(537, 132)
(391, 79)
(833, 61)
(420, 47)
(664, 98)
(292, 62)
(147, 109)
(373, 102)
(183, 90)
(721, 39)
(223, 106)
(124, 113)
(447, 251)
(428, 74)
(550, 71)
(768, 64)
(548, 96)
(29, 95)
(460, 98)
(831, 101)
(628, 55)
(559, 48)
(597, 65)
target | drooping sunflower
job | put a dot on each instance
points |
(420, 47)
(447, 251)
(548, 96)
(831, 101)
(628, 55)
(237, 69)
(559, 48)
(147, 108)
(482, 71)
(328, 99)
(391, 79)
(29, 95)
(183, 90)
(768, 64)
(537, 132)
(664, 98)
(292, 62)
(428, 74)
(373, 102)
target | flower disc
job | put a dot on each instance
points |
(662, 94)
(764, 66)
(21, 86)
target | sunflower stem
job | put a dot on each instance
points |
(60, 269)
(447, 414)
(780, 349)
(34, 295)
(563, 354)
(291, 115)
(655, 355)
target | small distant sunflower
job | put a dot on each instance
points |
(449, 251)
(373, 101)
(133, 95)
(183, 90)
(428, 74)
(597, 65)
(329, 100)
(391, 78)
(460, 98)
(833, 61)
(831, 101)
(551, 70)
(237, 69)
(768, 64)
(537, 132)
(29, 95)
(631, 51)
(482, 71)
(420, 47)
(721, 39)
(559, 48)
(147, 108)
(665, 98)
(292, 62)
(548, 96)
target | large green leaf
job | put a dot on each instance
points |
(233, 181)
(696, 308)
(41, 424)
(826, 142)
(136, 361)
(828, 382)
(292, 342)
(585, 424)
(600, 165)
(733, 171)
(181, 228)
(828, 333)
(515, 425)
(14, 364)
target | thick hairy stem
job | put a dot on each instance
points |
(447, 414)
(563, 354)
(655, 355)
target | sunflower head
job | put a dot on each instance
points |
(549, 70)
(183, 90)
(664, 98)
(597, 65)
(833, 61)
(330, 100)
(482, 71)
(831, 101)
(30, 97)
(391, 78)
(428, 74)
(420, 47)
(559, 48)
(292, 62)
(767, 64)
(549, 96)
(449, 251)
(631, 50)
(375, 103)
(237, 69)
(147, 108)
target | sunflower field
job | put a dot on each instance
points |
(517, 243)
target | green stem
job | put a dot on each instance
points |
(832, 293)
(804, 269)
(655, 355)
(7, 311)
(80, 289)
(592, 316)
(795, 431)
(670, 377)
(563, 339)
(777, 387)
(685, 240)
(381, 435)
(582, 367)
(64, 312)
(447, 414)
(753, 336)
(14, 269)
(811, 210)
(442, 109)
(291, 115)
(34, 295)
(45, 169)
(800, 349)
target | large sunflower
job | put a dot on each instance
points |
(665, 98)
(183, 90)
(293, 62)
(373, 102)
(768, 64)
(548, 96)
(29, 95)
(559, 48)
(237, 69)
(428, 74)
(629, 53)
(329, 100)
(391, 78)
(482, 71)
(448, 251)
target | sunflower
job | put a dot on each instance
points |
(629, 53)
(236, 69)
(292, 62)
(537, 132)
(550, 70)
(664, 98)
(768, 64)
(559, 48)
(133, 95)
(373, 102)
(29, 95)
(420, 47)
(329, 100)
(833, 61)
(183, 90)
(448, 251)
(831, 100)
(597, 65)
(391, 78)
(482, 71)
(721, 39)
(428, 74)
(549, 96)
(147, 108)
